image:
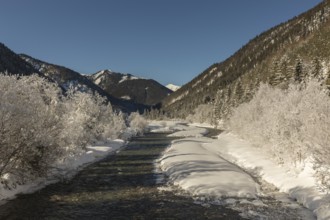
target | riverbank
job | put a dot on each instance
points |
(206, 168)
(64, 169)
(120, 186)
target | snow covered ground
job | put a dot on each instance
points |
(207, 168)
(65, 170)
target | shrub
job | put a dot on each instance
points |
(203, 113)
(292, 125)
(30, 126)
(40, 127)
(137, 123)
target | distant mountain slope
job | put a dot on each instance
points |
(127, 86)
(67, 77)
(13, 64)
(299, 48)
(173, 87)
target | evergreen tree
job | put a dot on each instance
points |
(216, 108)
(277, 76)
(284, 68)
(239, 92)
(298, 74)
(316, 68)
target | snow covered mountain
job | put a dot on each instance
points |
(67, 78)
(295, 50)
(129, 87)
(173, 87)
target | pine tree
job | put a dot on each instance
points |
(316, 68)
(239, 92)
(277, 76)
(298, 74)
(284, 68)
(216, 108)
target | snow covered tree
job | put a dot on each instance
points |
(291, 125)
(316, 68)
(30, 114)
(40, 127)
(276, 78)
(137, 123)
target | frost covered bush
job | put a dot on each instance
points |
(203, 113)
(293, 125)
(137, 123)
(30, 126)
(39, 126)
(88, 118)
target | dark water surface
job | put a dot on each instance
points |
(121, 186)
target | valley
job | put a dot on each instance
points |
(246, 138)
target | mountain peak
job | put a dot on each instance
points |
(130, 87)
(173, 87)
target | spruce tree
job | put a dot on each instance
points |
(316, 68)
(277, 76)
(298, 74)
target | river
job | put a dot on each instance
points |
(121, 186)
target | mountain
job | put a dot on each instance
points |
(129, 87)
(173, 87)
(12, 63)
(67, 78)
(290, 52)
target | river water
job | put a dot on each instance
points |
(121, 186)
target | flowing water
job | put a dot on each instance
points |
(126, 186)
(121, 186)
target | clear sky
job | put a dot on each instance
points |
(171, 41)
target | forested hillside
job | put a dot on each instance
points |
(293, 51)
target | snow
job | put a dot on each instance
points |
(126, 97)
(179, 97)
(173, 87)
(100, 73)
(209, 168)
(203, 173)
(64, 169)
(301, 187)
(190, 132)
(128, 77)
(98, 80)
(213, 69)
(99, 76)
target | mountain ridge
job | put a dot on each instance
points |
(127, 86)
(279, 50)
(67, 78)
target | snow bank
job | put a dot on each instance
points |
(166, 126)
(193, 132)
(203, 173)
(64, 169)
(206, 168)
(301, 186)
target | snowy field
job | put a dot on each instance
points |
(66, 169)
(207, 168)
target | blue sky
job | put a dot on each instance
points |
(171, 41)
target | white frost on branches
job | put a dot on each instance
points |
(40, 127)
(292, 125)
